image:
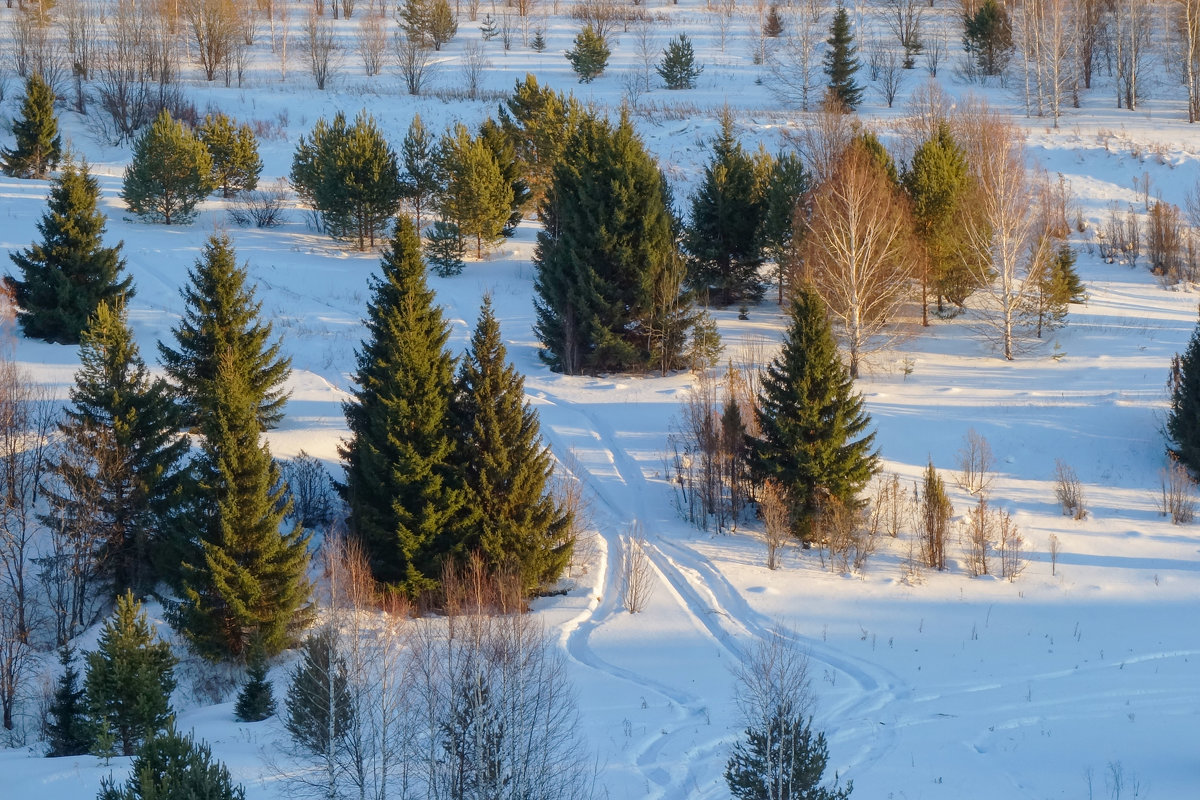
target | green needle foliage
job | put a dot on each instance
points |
(678, 67)
(67, 730)
(174, 767)
(1183, 420)
(814, 438)
(171, 172)
(256, 700)
(419, 181)
(590, 54)
(841, 63)
(38, 146)
(70, 272)
(475, 195)
(783, 760)
(234, 152)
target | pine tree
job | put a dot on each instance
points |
(937, 182)
(783, 760)
(38, 146)
(475, 195)
(234, 153)
(506, 466)
(493, 136)
(590, 54)
(319, 712)
(171, 172)
(789, 182)
(129, 678)
(441, 24)
(173, 767)
(118, 470)
(1183, 420)
(841, 63)
(537, 121)
(1058, 286)
(67, 730)
(987, 36)
(678, 67)
(813, 436)
(600, 286)
(256, 700)
(721, 238)
(869, 142)
(221, 316)
(70, 272)
(406, 504)
(419, 181)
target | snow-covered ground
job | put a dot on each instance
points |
(951, 687)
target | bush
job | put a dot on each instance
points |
(262, 208)
(174, 767)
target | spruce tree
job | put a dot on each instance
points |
(118, 469)
(319, 712)
(789, 182)
(841, 63)
(407, 506)
(678, 67)
(68, 733)
(445, 249)
(419, 180)
(589, 55)
(506, 467)
(171, 172)
(987, 37)
(38, 146)
(475, 195)
(221, 316)
(173, 767)
(721, 238)
(256, 699)
(1183, 420)
(601, 287)
(937, 182)
(129, 678)
(234, 152)
(813, 429)
(70, 272)
(1057, 287)
(782, 760)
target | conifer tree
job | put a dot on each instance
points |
(419, 181)
(589, 56)
(118, 470)
(789, 182)
(1183, 420)
(1058, 286)
(129, 679)
(173, 767)
(475, 195)
(68, 733)
(841, 62)
(601, 286)
(445, 249)
(70, 272)
(783, 760)
(221, 316)
(234, 153)
(256, 700)
(38, 146)
(406, 503)
(678, 67)
(987, 36)
(171, 172)
(506, 466)
(495, 139)
(537, 121)
(937, 182)
(721, 238)
(813, 429)
(319, 711)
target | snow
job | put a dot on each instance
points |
(949, 687)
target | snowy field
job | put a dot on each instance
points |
(1080, 684)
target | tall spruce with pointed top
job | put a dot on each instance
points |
(722, 237)
(506, 467)
(221, 316)
(841, 62)
(170, 173)
(789, 182)
(119, 468)
(67, 730)
(38, 146)
(407, 505)
(70, 272)
(813, 428)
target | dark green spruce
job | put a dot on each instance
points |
(841, 62)
(171, 766)
(38, 146)
(67, 730)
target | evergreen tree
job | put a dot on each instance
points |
(129, 678)
(813, 436)
(118, 470)
(773, 24)
(937, 182)
(987, 37)
(678, 67)
(222, 317)
(445, 249)
(537, 121)
(70, 272)
(419, 181)
(351, 176)
(38, 146)
(782, 760)
(319, 711)
(1183, 420)
(68, 733)
(590, 54)
(722, 239)
(256, 700)
(506, 466)
(475, 195)
(789, 182)
(234, 153)
(841, 63)
(171, 172)
(874, 148)
(488, 29)
(498, 142)
(538, 42)
(601, 285)
(406, 503)
(1057, 287)
(174, 767)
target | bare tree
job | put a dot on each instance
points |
(1043, 35)
(903, 18)
(320, 41)
(1009, 544)
(1068, 490)
(978, 532)
(1187, 21)
(637, 572)
(793, 66)
(1131, 22)
(80, 25)
(372, 42)
(933, 52)
(414, 60)
(215, 26)
(975, 461)
(1053, 547)
(775, 507)
(475, 64)
(1175, 497)
(721, 12)
(891, 77)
